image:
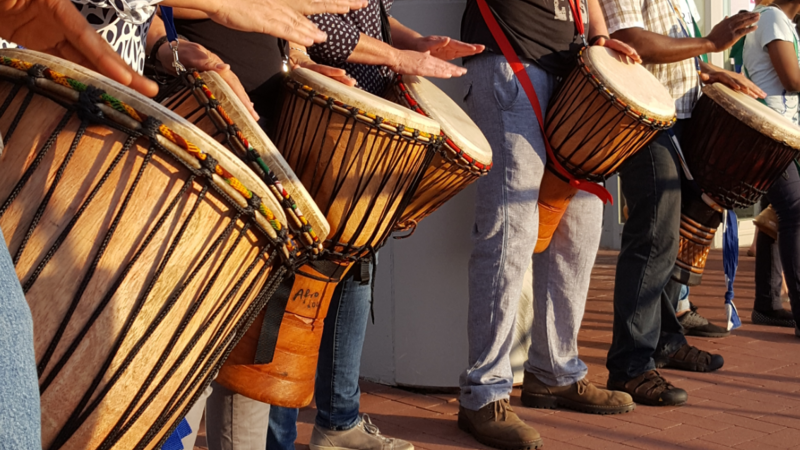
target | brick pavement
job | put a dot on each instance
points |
(753, 402)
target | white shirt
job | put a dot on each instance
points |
(773, 25)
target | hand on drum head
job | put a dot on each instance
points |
(280, 18)
(620, 47)
(736, 81)
(57, 28)
(195, 56)
(409, 62)
(447, 49)
(731, 29)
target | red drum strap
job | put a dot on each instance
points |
(527, 86)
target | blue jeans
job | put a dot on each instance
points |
(772, 257)
(645, 296)
(20, 416)
(336, 390)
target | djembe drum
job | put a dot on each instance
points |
(207, 101)
(735, 148)
(464, 156)
(360, 157)
(144, 248)
(605, 111)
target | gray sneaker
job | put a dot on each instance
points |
(696, 325)
(364, 436)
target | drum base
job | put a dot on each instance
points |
(554, 197)
(699, 223)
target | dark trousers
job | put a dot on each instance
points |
(772, 256)
(645, 297)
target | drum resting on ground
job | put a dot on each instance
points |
(145, 250)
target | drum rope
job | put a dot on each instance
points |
(220, 352)
(250, 154)
(165, 131)
(25, 103)
(74, 420)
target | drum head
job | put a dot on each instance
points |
(226, 159)
(755, 114)
(365, 101)
(456, 124)
(266, 149)
(630, 82)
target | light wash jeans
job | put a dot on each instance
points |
(504, 235)
(20, 416)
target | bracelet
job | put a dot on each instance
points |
(298, 50)
(594, 40)
(153, 57)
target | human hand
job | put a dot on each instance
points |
(280, 18)
(56, 27)
(447, 49)
(733, 80)
(301, 60)
(195, 56)
(620, 47)
(731, 29)
(409, 62)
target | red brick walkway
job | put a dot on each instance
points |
(753, 402)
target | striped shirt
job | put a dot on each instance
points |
(659, 16)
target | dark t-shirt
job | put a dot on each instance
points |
(540, 30)
(253, 57)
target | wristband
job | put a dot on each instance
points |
(153, 57)
(594, 39)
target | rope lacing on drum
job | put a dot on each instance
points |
(87, 103)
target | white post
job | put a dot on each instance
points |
(714, 13)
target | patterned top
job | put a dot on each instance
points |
(344, 31)
(123, 23)
(659, 16)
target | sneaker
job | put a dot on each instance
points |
(496, 425)
(650, 388)
(696, 325)
(364, 436)
(775, 318)
(581, 396)
(691, 359)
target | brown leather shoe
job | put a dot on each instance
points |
(581, 396)
(650, 388)
(496, 425)
(691, 359)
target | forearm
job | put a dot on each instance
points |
(157, 31)
(656, 48)
(403, 37)
(597, 23)
(373, 52)
(203, 6)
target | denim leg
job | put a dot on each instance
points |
(785, 198)
(652, 188)
(561, 276)
(671, 338)
(336, 390)
(20, 416)
(282, 428)
(506, 220)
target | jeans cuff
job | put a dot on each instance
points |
(330, 426)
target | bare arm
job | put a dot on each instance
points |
(403, 38)
(655, 48)
(784, 60)
(280, 18)
(597, 23)
(371, 51)
(710, 74)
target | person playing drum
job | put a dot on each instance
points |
(69, 35)
(505, 231)
(770, 59)
(647, 333)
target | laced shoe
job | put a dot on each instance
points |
(496, 425)
(696, 325)
(582, 396)
(364, 436)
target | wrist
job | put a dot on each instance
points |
(593, 40)
(709, 47)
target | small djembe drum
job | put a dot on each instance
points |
(360, 158)
(735, 148)
(144, 248)
(464, 156)
(605, 111)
